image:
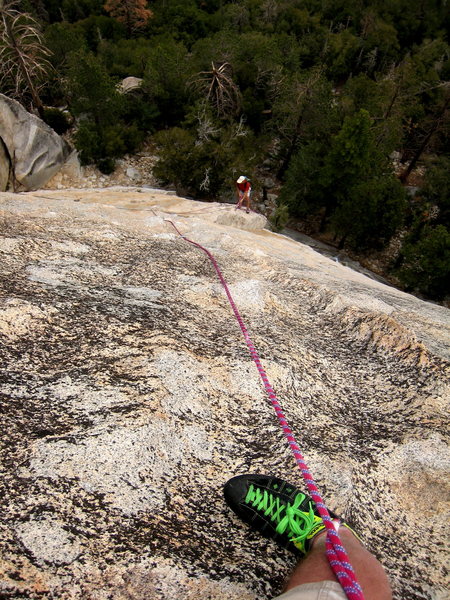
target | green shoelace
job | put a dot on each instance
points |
(289, 519)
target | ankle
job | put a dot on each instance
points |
(344, 533)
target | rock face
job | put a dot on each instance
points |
(128, 398)
(36, 152)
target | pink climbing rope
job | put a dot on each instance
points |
(336, 554)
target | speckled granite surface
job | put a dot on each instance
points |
(128, 398)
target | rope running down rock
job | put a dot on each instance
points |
(336, 554)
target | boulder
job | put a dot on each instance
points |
(5, 167)
(37, 152)
(71, 174)
(133, 173)
(129, 84)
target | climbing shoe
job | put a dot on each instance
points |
(276, 509)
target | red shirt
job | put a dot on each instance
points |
(244, 186)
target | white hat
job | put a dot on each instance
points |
(241, 179)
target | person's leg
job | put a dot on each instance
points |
(280, 511)
(247, 201)
(369, 572)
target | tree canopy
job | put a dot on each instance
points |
(316, 96)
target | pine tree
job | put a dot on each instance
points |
(23, 55)
(220, 89)
(134, 14)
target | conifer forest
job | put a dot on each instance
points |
(340, 106)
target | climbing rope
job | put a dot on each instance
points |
(336, 554)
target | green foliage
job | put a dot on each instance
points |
(380, 99)
(106, 129)
(56, 119)
(132, 137)
(303, 111)
(367, 203)
(350, 155)
(342, 51)
(61, 40)
(90, 89)
(344, 178)
(379, 44)
(165, 80)
(125, 57)
(426, 263)
(295, 20)
(89, 143)
(102, 145)
(425, 254)
(175, 148)
(371, 213)
(415, 21)
(47, 11)
(204, 161)
(303, 191)
(254, 62)
(436, 190)
(236, 17)
(75, 10)
(139, 112)
(280, 217)
(362, 92)
(95, 29)
(183, 20)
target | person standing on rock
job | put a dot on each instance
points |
(243, 192)
(281, 512)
